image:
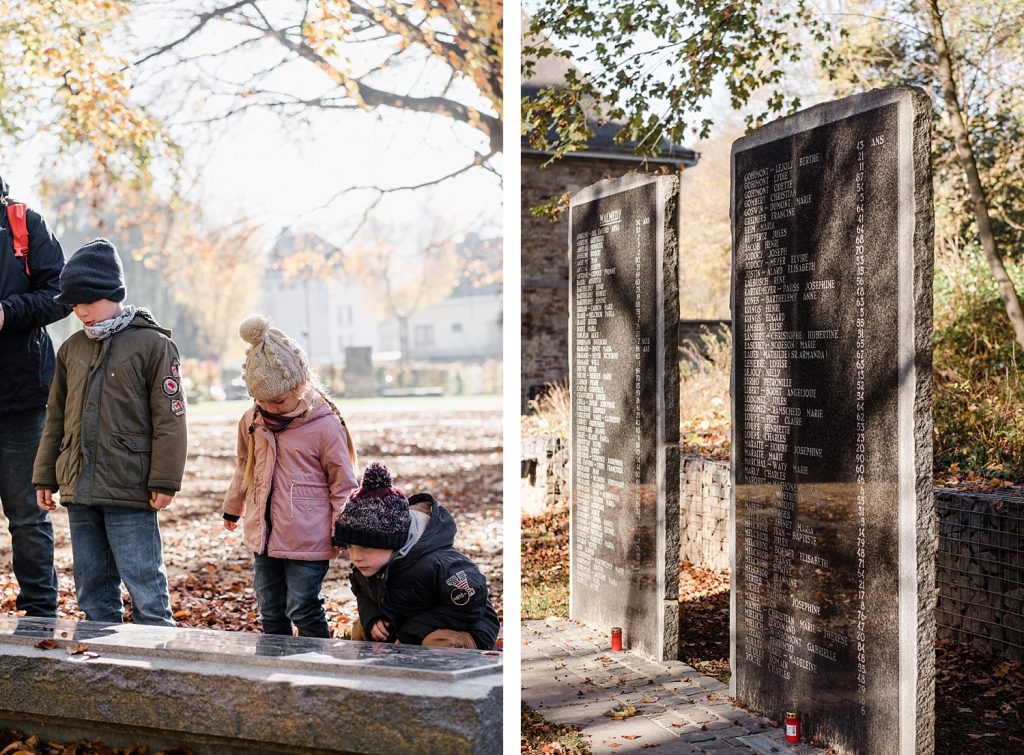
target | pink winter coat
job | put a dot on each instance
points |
(312, 476)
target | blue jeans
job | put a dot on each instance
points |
(31, 531)
(111, 544)
(288, 591)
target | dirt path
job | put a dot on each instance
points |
(451, 452)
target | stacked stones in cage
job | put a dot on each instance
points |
(980, 571)
(704, 512)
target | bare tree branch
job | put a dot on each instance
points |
(204, 19)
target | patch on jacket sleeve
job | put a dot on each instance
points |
(171, 386)
(177, 407)
(175, 368)
(461, 591)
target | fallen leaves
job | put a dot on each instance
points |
(210, 570)
(620, 712)
(537, 735)
(14, 742)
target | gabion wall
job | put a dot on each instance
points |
(980, 567)
(980, 570)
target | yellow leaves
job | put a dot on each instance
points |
(620, 712)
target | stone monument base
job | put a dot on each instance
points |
(233, 692)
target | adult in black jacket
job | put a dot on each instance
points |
(410, 583)
(26, 369)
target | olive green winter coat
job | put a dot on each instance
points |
(115, 419)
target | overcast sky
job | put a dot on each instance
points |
(284, 174)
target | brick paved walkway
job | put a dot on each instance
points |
(570, 677)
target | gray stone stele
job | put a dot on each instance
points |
(832, 520)
(624, 387)
(233, 692)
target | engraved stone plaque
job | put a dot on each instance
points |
(832, 522)
(624, 380)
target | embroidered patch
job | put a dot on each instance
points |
(171, 386)
(175, 368)
(177, 407)
(461, 592)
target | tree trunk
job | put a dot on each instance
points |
(1011, 301)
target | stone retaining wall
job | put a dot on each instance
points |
(704, 487)
(980, 568)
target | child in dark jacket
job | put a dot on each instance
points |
(410, 583)
(115, 440)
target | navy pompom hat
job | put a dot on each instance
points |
(94, 272)
(377, 514)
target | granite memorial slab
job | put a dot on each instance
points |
(234, 692)
(624, 388)
(832, 524)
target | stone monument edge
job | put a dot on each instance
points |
(824, 113)
(668, 443)
(923, 527)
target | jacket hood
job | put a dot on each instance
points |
(438, 534)
(144, 319)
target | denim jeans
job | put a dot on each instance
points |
(111, 544)
(288, 592)
(31, 531)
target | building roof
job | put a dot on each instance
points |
(550, 72)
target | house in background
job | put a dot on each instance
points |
(545, 245)
(464, 327)
(324, 315)
(327, 316)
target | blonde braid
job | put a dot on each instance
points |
(250, 458)
(348, 434)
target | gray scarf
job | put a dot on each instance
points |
(104, 330)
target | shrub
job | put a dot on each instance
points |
(978, 402)
(704, 403)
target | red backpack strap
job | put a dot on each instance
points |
(19, 228)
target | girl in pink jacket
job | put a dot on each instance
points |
(296, 468)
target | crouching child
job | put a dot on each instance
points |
(411, 585)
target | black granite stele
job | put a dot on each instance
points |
(624, 377)
(832, 521)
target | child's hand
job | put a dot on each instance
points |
(159, 500)
(379, 630)
(230, 526)
(44, 500)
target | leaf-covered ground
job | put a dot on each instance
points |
(538, 735)
(13, 742)
(979, 698)
(451, 452)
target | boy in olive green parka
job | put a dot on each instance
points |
(114, 443)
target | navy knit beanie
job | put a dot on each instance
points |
(94, 272)
(377, 515)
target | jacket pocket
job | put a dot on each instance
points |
(311, 516)
(132, 454)
(65, 468)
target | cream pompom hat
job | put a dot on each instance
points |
(274, 363)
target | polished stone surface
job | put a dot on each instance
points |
(624, 313)
(229, 693)
(342, 656)
(833, 516)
